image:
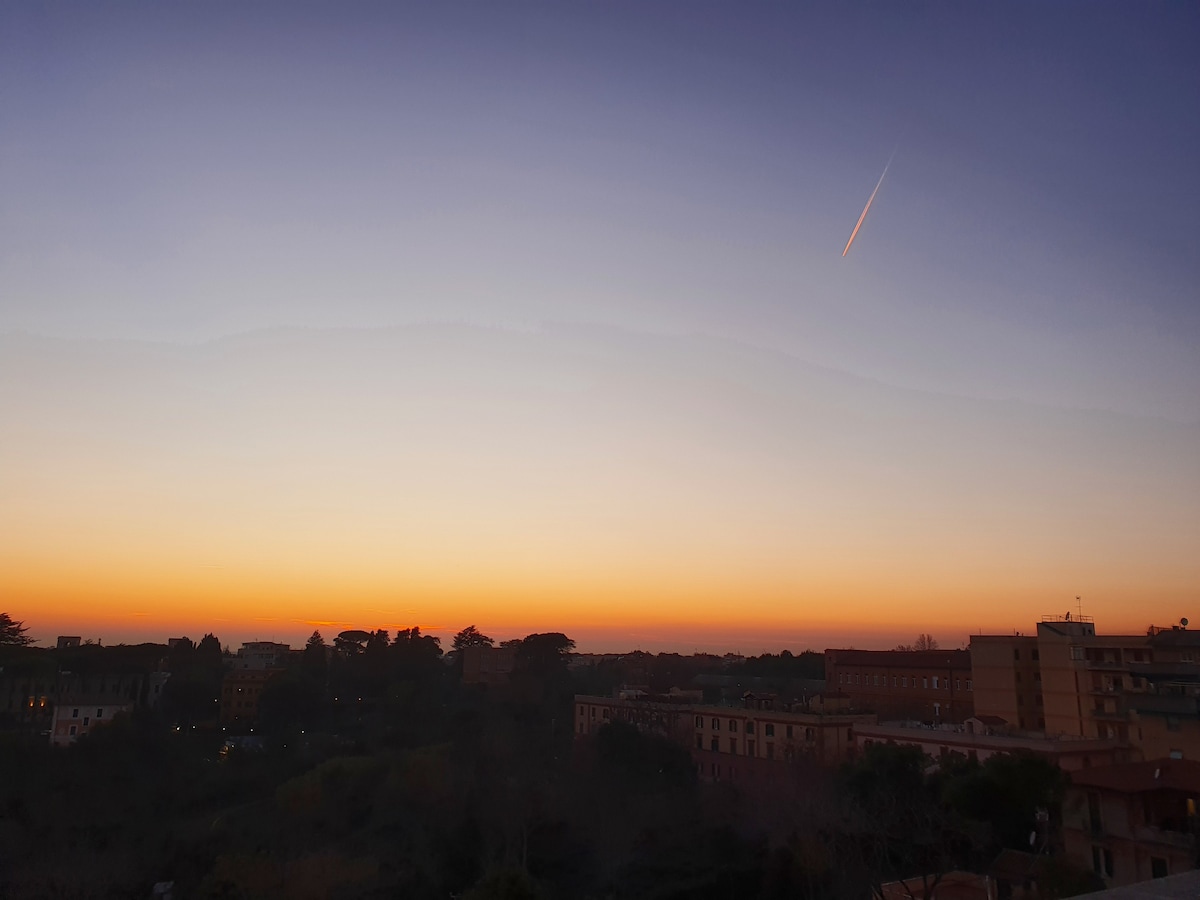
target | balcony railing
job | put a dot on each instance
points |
(1148, 834)
(1163, 705)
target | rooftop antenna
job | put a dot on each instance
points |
(1079, 608)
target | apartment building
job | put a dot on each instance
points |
(920, 685)
(732, 743)
(1141, 689)
(1135, 821)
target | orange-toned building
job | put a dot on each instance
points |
(1142, 689)
(1135, 821)
(732, 743)
(240, 693)
(920, 685)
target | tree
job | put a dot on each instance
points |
(12, 633)
(315, 657)
(471, 637)
(545, 653)
(923, 642)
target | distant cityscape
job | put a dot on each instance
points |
(1119, 715)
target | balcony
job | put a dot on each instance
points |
(1105, 665)
(1163, 705)
(1177, 840)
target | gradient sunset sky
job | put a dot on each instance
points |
(534, 316)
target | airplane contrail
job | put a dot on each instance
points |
(866, 208)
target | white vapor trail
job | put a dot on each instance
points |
(870, 200)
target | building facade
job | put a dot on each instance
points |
(731, 743)
(78, 715)
(1135, 821)
(919, 685)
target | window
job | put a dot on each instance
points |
(593, 709)
(904, 681)
(581, 728)
(699, 742)
(72, 731)
(699, 721)
(75, 714)
(715, 744)
(733, 725)
(925, 682)
(733, 745)
(749, 748)
(1077, 654)
(808, 734)
(749, 728)
(789, 731)
(894, 681)
(1175, 754)
(770, 751)
(1016, 652)
(716, 724)
(876, 681)
(87, 720)
(1158, 867)
(841, 677)
(958, 684)
(99, 713)
(604, 713)
(856, 678)
(968, 684)
(935, 683)
(769, 731)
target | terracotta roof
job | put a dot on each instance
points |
(1136, 777)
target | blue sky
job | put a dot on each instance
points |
(182, 172)
(673, 181)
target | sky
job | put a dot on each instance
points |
(534, 316)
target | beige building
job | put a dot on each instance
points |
(731, 743)
(76, 715)
(1141, 689)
